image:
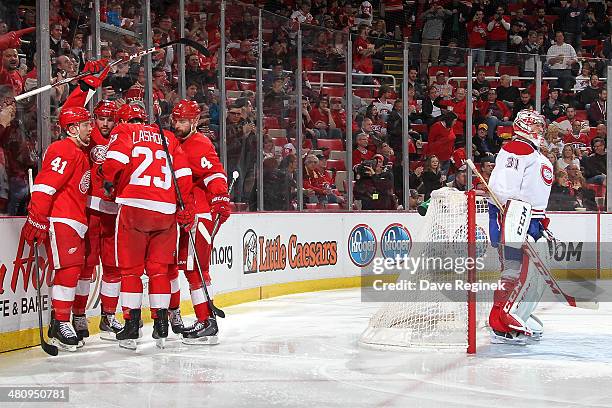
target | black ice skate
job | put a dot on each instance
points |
(513, 337)
(130, 333)
(109, 327)
(160, 328)
(176, 322)
(202, 333)
(62, 335)
(79, 322)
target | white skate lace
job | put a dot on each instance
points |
(113, 323)
(197, 327)
(175, 317)
(66, 330)
(80, 322)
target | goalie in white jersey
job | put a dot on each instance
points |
(521, 180)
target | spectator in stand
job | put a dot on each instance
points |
(277, 191)
(9, 70)
(378, 124)
(571, 16)
(567, 157)
(276, 98)
(477, 37)
(367, 127)
(318, 181)
(579, 137)
(606, 51)
(432, 178)
(445, 90)
(56, 43)
(414, 107)
(590, 93)
(494, 113)
(541, 21)
(413, 79)
(584, 79)
(595, 166)
(565, 122)
(551, 108)
(362, 56)
(460, 180)
(561, 197)
(525, 102)
(507, 92)
(480, 84)
(530, 46)
(601, 131)
(452, 55)
(431, 34)
(238, 132)
(480, 141)
(498, 29)
(374, 186)
(487, 166)
(441, 140)
(561, 56)
(364, 14)
(598, 110)
(458, 106)
(383, 102)
(339, 115)
(552, 141)
(431, 105)
(395, 127)
(321, 116)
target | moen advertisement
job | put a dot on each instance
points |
(255, 250)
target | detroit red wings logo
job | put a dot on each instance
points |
(547, 175)
(98, 154)
(85, 180)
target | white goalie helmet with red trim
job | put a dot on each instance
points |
(530, 125)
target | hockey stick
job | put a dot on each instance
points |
(179, 198)
(184, 41)
(48, 348)
(235, 176)
(537, 261)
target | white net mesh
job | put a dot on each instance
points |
(430, 318)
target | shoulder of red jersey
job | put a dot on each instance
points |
(519, 147)
(64, 147)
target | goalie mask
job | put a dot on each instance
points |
(530, 125)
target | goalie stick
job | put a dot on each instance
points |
(184, 41)
(179, 198)
(48, 348)
(535, 257)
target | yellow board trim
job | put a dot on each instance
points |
(20, 339)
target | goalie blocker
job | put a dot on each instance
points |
(512, 314)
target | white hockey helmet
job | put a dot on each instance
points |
(530, 125)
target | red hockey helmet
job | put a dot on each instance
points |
(130, 111)
(73, 115)
(105, 109)
(186, 109)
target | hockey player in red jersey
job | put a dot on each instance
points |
(210, 200)
(146, 233)
(56, 216)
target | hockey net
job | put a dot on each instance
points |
(431, 318)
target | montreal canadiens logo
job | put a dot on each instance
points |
(547, 175)
(362, 245)
(84, 184)
(395, 241)
(98, 154)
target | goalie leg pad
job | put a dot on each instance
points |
(515, 223)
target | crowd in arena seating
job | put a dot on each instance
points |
(572, 39)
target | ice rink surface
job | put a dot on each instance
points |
(301, 351)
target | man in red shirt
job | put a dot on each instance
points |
(56, 216)
(210, 201)
(364, 150)
(145, 237)
(9, 70)
(477, 37)
(494, 113)
(498, 29)
(441, 140)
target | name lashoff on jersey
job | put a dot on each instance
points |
(427, 285)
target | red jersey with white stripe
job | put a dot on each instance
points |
(137, 163)
(96, 199)
(522, 173)
(209, 177)
(582, 139)
(61, 186)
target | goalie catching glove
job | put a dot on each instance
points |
(36, 228)
(220, 206)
